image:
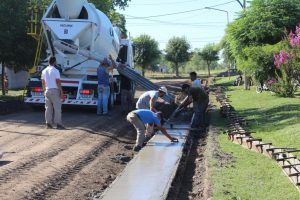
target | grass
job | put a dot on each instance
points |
(237, 173)
(274, 119)
(159, 75)
(15, 94)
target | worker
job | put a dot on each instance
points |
(103, 70)
(148, 99)
(53, 95)
(139, 118)
(195, 82)
(199, 97)
(126, 94)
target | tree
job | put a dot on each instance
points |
(146, 51)
(264, 22)
(195, 61)
(209, 53)
(16, 47)
(107, 6)
(177, 51)
(118, 20)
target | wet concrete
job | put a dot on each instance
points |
(150, 174)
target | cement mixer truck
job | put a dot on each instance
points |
(80, 36)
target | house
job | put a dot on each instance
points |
(162, 69)
(15, 79)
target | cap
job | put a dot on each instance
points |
(163, 89)
(105, 61)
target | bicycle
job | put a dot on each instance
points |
(261, 87)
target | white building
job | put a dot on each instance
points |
(163, 69)
(16, 79)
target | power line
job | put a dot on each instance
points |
(179, 24)
(165, 3)
(162, 15)
(193, 41)
(175, 13)
(158, 22)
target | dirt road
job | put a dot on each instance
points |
(56, 164)
(66, 164)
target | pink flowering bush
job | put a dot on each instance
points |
(282, 58)
(288, 62)
(294, 38)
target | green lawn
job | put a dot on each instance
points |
(274, 119)
(12, 95)
(201, 73)
(238, 173)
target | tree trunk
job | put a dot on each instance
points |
(208, 68)
(143, 72)
(247, 83)
(176, 70)
(2, 78)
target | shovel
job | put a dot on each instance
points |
(174, 114)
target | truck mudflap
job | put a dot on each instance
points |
(65, 102)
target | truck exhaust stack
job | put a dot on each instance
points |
(70, 9)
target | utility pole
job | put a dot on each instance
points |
(211, 8)
(246, 79)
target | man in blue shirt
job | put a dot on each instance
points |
(103, 85)
(139, 118)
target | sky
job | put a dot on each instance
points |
(164, 19)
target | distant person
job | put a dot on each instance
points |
(148, 99)
(139, 118)
(53, 95)
(195, 82)
(126, 94)
(103, 84)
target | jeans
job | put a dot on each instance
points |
(103, 95)
(198, 120)
(139, 126)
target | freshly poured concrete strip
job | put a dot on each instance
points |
(150, 174)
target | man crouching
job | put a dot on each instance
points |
(139, 118)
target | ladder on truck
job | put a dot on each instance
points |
(35, 30)
(142, 81)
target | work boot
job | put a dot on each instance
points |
(48, 126)
(137, 148)
(60, 127)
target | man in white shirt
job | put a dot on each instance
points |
(53, 95)
(195, 82)
(148, 99)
